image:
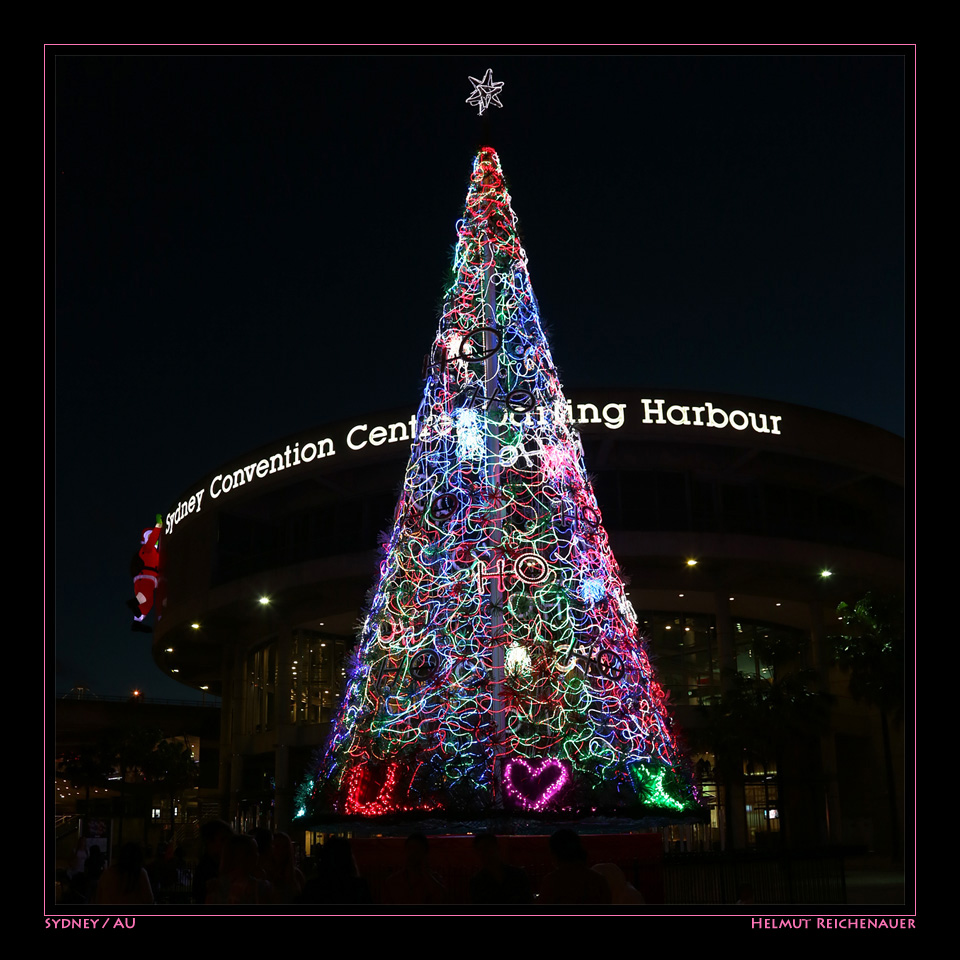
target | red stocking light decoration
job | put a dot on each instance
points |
(498, 668)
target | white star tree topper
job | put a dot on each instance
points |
(485, 92)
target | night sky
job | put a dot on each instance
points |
(243, 245)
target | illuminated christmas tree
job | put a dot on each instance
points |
(498, 668)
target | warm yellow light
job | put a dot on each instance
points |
(264, 601)
(194, 626)
(826, 573)
(691, 563)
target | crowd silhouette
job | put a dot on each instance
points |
(261, 869)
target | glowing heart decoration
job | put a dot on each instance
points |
(532, 784)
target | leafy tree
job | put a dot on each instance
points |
(770, 724)
(172, 769)
(130, 750)
(871, 651)
(87, 767)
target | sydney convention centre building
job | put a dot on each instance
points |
(738, 523)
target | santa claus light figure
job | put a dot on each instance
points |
(145, 567)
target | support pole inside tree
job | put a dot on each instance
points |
(496, 596)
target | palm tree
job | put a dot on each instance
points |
(871, 651)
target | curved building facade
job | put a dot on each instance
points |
(740, 523)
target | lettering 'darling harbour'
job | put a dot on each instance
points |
(363, 435)
(707, 416)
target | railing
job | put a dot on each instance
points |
(174, 885)
(65, 825)
(112, 698)
(729, 878)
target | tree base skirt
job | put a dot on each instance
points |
(504, 825)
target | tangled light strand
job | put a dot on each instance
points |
(499, 637)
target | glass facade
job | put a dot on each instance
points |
(314, 681)
(317, 674)
(684, 646)
(685, 654)
(261, 688)
(651, 500)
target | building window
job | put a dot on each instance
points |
(261, 682)
(316, 676)
(684, 645)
